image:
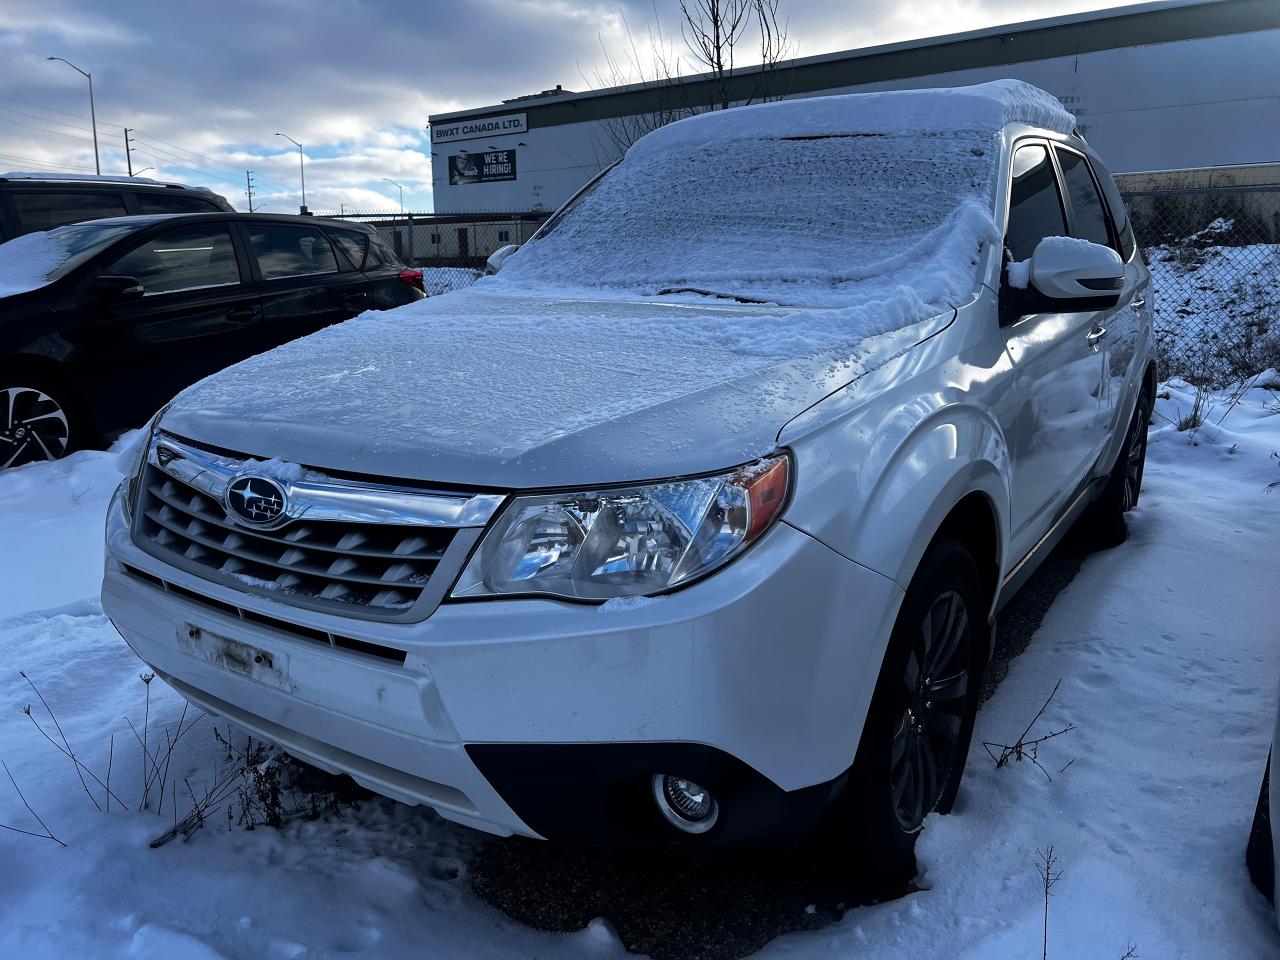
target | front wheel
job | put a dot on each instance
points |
(37, 421)
(916, 737)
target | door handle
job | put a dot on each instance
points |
(354, 299)
(242, 314)
(1139, 303)
(1095, 336)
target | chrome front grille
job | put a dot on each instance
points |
(347, 547)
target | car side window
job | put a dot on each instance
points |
(1035, 206)
(1088, 215)
(1119, 213)
(291, 251)
(381, 255)
(175, 203)
(41, 210)
(353, 243)
(184, 258)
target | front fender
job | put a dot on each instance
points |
(877, 488)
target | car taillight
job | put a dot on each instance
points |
(413, 278)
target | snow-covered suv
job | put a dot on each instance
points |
(688, 525)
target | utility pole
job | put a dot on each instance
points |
(248, 188)
(93, 116)
(128, 158)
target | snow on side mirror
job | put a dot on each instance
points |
(1064, 268)
(499, 257)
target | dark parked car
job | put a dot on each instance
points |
(105, 321)
(42, 201)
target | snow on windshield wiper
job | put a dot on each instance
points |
(710, 293)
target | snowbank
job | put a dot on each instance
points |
(26, 261)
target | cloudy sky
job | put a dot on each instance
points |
(207, 85)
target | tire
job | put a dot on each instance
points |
(1260, 853)
(1105, 518)
(40, 419)
(916, 737)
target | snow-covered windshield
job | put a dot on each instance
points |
(843, 201)
(793, 220)
(36, 259)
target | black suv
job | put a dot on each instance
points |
(118, 315)
(38, 201)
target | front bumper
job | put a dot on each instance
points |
(757, 679)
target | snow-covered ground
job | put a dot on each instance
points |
(1166, 648)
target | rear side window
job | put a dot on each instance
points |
(381, 255)
(184, 258)
(1119, 213)
(44, 211)
(1035, 207)
(175, 203)
(353, 244)
(291, 251)
(1088, 215)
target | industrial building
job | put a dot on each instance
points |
(1162, 86)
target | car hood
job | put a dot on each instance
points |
(487, 388)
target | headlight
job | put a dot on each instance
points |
(625, 542)
(132, 459)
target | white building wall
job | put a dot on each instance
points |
(1186, 104)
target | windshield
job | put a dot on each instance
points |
(36, 259)
(805, 220)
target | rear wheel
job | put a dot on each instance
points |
(917, 734)
(1106, 516)
(38, 421)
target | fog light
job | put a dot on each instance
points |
(685, 805)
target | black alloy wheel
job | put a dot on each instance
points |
(1135, 457)
(34, 426)
(935, 687)
(1105, 520)
(914, 743)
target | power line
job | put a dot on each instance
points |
(32, 126)
(184, 159)
(33, 116)
(12, 158)
(222, 164)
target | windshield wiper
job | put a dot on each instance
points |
(710, 293)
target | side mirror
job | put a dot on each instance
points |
(499, 257)
(112, 288)
(1064, 268)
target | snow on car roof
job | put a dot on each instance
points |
(985, 106)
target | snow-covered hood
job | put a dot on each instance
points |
(484, 388)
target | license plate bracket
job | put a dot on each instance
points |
(246, 660)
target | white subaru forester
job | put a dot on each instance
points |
(689, 525)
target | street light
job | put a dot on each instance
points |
(302, 170)
(401, 189)
(93, 116)
(143, 170)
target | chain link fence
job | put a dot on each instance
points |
(1214, 255)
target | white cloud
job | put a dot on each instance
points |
(353, 80)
